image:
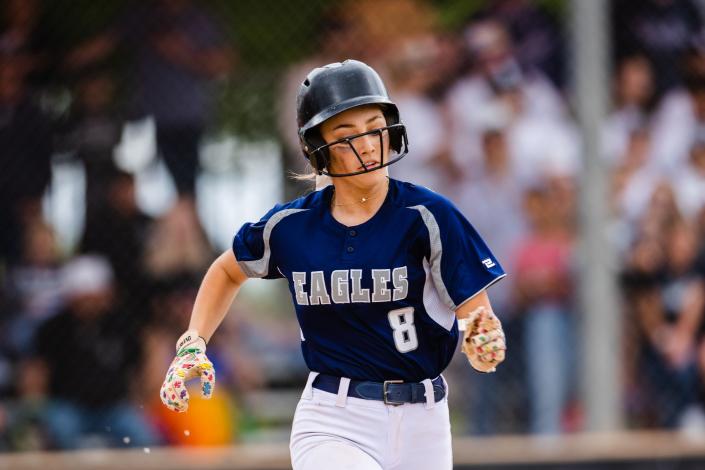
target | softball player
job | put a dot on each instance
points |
(379, 270)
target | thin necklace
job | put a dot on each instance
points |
(362, 200)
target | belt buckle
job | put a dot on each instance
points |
(385, 392)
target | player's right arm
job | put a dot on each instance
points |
(218, 289)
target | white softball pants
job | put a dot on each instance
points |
(347, 433)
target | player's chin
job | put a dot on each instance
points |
(372, 174)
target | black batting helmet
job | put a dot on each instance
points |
(337, 87)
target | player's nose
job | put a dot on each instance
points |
(365, 144)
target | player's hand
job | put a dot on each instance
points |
(483, 342)
(190, 362)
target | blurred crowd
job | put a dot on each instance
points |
(86, 332)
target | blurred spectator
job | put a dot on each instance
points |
(681, 254)
(662, 289)
(24, 38)
(92, 357)
(634, 180)
(689, 182)
(660, 214)
(634, 103)
(628, 146)
(120, 232)
(91, 132)
(33, 288)
(175, 245)
(25, 157)
(677, 124)
(661, 29)
(499, 93)
(21, 426)
(639, 281)
(544, 277)
(179, 53)
(496, 69)
(537, 37)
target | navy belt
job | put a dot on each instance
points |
(391, 392)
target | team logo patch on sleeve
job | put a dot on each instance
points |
(488, 263)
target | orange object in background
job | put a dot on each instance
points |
(206, 423)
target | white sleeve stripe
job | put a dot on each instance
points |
(260, 267)
(480, 290)
(434, 235)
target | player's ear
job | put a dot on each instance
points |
(319, 159)
(398, 141)
(397, 138)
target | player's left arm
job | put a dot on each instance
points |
(463, 268)
(483, 339)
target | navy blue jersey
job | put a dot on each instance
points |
(375, 301)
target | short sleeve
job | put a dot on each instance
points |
(460, 263)
(252, 248)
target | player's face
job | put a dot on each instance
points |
(360, 153)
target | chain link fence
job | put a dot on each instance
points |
(136, 137)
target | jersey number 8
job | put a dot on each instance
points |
(402, 322)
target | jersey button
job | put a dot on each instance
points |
(353, 233)
(350, 249)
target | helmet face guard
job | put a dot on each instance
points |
(386, 135)
(333, 89)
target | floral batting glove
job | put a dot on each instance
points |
(190, 362)
(483, 342)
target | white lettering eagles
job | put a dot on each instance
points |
(346, 286)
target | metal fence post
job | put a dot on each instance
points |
(599, 305)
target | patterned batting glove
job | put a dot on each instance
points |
(190, 362)
(483, 342)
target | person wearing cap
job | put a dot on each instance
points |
(90, 355)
